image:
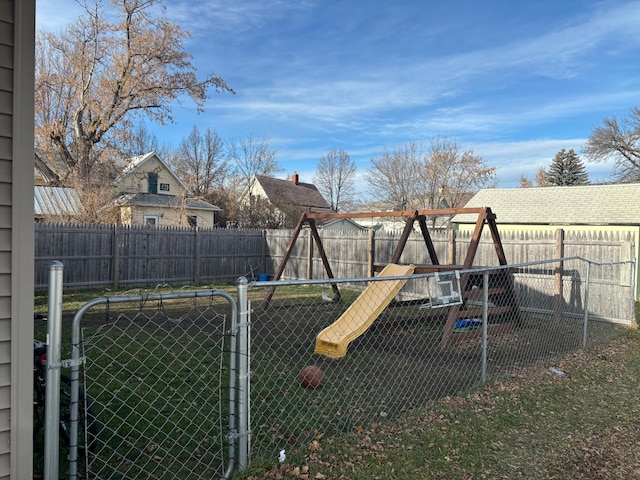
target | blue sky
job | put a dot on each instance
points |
(513, 81)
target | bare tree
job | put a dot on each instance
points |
(419, 176)
(394, 177)
(335, 179)
(112, 64)
(450, 174)
(252, 156)
(617, 140)
(138, 140)
(200, 162)
(525, 182)
(541, 179)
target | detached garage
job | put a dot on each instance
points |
(598, 213)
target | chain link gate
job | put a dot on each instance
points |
(165, 391)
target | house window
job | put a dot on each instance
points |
(150, 220)
(164, 187)
(193, 220)
(152, 179)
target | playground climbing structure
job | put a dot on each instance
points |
(500, 284)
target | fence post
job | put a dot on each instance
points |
(632, 289)
(115, 255)
(263, 253)
(371, 245)
(310, 256)
(196, 256)
(485, 323)
(52, 393)
(244, 363)
(586, 307)
(451, 251)
(559, 253)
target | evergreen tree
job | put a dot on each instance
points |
(567, 169)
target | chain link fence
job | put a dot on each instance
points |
(440, 335)
(166, 376)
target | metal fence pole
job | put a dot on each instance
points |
(243, 374)
(233, 377)
(586, 307)
(485, 320)
(52, 389)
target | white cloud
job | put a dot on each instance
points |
(514, 159)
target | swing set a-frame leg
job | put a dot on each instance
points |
(488, 217)
(304, 219)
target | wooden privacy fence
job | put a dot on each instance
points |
(117, 256)
(352, 255)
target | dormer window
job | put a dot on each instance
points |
(164, 187)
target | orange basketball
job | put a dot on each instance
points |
(311, 377)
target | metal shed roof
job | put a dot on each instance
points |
(56, 201)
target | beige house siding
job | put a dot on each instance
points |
(167, 217)
(17, 34)
(137, 180)
(167, 206)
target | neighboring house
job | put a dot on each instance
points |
(340, 225)
(397, 224)
(587, 208)
(285, 195)
(149, 193)
(55, 203)
(17, 47)
(383, 224)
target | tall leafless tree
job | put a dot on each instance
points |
(108, 67)
(394, 177)
(617, 140)
(251, 156)
(201, 163)
(450, 174)
(427, 176)
(541, 179)
(335, 179)
(139, 140)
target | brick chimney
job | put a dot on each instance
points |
(294, 178)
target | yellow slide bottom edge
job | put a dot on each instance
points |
(334, 340)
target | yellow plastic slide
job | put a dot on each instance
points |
(333, 340)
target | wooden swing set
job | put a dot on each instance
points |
(500, 288)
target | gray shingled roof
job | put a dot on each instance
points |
(577, 205)
(154, 200)
(286, 192)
